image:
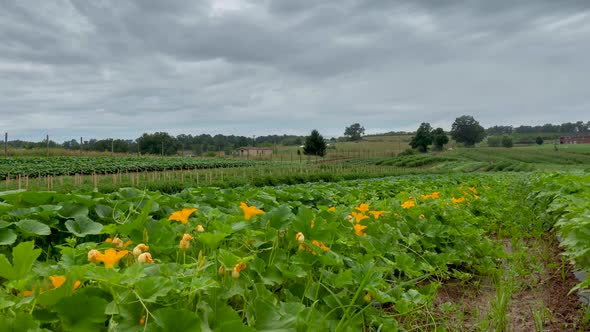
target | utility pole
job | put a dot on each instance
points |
(81, 145)
(5, 145)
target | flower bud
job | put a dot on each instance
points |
(92, 255)
(200, 228)
(221, 271)
(300, 237)
(146, 257)
(139, 249)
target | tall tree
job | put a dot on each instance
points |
(354, 132)
(467, 131)
(439, 138)
(158, 143)
(315, 144)
(423, 137)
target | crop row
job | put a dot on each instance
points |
(37, 166)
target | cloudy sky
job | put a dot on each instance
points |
(112, 68)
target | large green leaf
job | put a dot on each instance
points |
(33, 227)
(23, 257)
(73, 210)
(170, 319)
(81, 312)
(149, 289)
(7, 236)
(82, 226)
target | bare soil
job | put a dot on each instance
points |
(541, 290)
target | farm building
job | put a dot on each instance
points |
(575, 139)
(251, 151)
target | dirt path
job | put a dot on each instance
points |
(531, 294)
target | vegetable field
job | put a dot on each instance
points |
(363, 255)
(55, 166)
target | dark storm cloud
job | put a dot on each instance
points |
(119, 68)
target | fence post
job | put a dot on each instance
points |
(5, 145)
(47, 145)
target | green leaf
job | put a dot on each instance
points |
(7, 236)
(23, 257)
(73, 210)
(82, 226)
(33, 227)
(21, 322)
(170, 319)
(149, 289)
(81, 312)
(279, 217)
(4, 224)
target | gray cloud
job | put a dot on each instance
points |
(120, 68)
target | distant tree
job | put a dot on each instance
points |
(439, 138)
(467, 131)
(507, 141)
(539, 140)
(354, 132)
(423, 137)
(157, 143)
(315, 144)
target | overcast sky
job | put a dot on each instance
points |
(113, 68)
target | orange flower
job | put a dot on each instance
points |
(435, 194)
(142, 320)
(358, 229)
(146, 257)
(111, 257)
(320, 244)
(425, 196)
(57, 281)
(408, 204)
(358, 216)
(364, 207)
(458, 200)
(249, 211)
(473, 190)
(182, 215)
(300, 237)
(332, 209)
(235, 273)
(377, 214)
(139, 249)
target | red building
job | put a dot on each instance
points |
(575, 139)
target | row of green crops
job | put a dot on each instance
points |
(563, 202)
(36, 166)
(347, 256)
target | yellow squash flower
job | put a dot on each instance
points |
(425, 196)
(110, 257)
(358, 216)
(200, 228)
(320, 244)
(408, 204)
(377, 214)
(184, 243)
(358, 229)
(364, 207)
(435, 194)
(473, 190)
(57, 281)
(332, 209)
(458, 200)
(249, 211)
(182, 215)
